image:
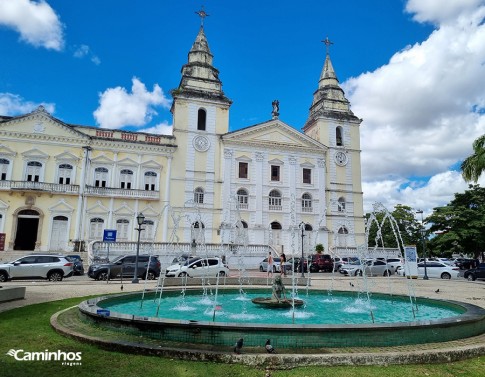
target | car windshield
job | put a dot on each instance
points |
(191, 260)
(118, 258)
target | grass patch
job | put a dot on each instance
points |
(28, 329)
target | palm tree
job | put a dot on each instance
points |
(474, 165)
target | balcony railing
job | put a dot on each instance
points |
(307, 209)
(39, 186)
(122, 193)
(275, 208)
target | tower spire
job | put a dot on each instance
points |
(202, 14)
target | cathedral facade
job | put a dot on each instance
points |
(63, 185)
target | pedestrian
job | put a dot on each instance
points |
(270, 264)
(283, 264)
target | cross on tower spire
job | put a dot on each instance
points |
(202, 14)
(327, 42)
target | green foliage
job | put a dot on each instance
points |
(459, 226)
(384, 231)
(474, 165)
(319, 248)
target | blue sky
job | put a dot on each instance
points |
(413, 70)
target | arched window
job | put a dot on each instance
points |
(306, 202)
(244, 224)
(275, 201)
(201, 119)
(199, 195)
(147, 234)
(96, 228)
(126, 179)
(3, 169)
(242, 198)
(33, 171)
(122, 229)
(150, 180)
(308, 227)
(64, 174)
(341, 204)
(343, 230)
(100, 177)
(338, 136)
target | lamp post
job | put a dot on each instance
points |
(140, 219)
(423, 235)
(302, 262)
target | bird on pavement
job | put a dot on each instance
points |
(351, 284)
(121, 287)
(238, 346)
(437, 291)
(269, 347)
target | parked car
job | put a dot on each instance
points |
(78, 267)
(435, 269)
(396, 263)
(296, 264)
(464, 263)
(338, 262)
(181, 259)
(369, 268)
(475, 273)
(321, 262)
(199, 267)
(124, 266)
(263, 265)
(46, 266)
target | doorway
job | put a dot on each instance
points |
(59, 234)
(27, 229)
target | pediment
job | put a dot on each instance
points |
(42, 124)
(243, 158)
(6, 151)
(127, 162)
(98, 208)
(35, 153)
(61, 207)
(124, 210)
(101, 159)
(66, 156)
(149, 212)
(275, 133)
(3, 205)
(151, 164)
(275, 161)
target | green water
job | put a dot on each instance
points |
(320, 308)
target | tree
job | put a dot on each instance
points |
(459, 225)
(474, 165)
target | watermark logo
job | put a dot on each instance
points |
(65, 358)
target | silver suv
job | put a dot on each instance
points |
(46, 266)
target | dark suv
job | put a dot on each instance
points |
(124, 266)
(475, 273)
(321, 262)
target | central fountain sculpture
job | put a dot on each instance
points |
(278, 298)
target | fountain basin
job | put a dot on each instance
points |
(467, 320)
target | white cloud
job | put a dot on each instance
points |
(160, 129)
(83, 51)
(12, 104)
(118, 108)
(37, 23)
(423, 109)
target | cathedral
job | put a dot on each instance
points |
(63, 185)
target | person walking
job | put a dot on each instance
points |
(283, 264)
(270, 264)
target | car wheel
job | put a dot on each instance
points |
(471, 277)
(445, 275)
(3, 277)
(261, 268)
(151, 275)
(182, 274)
(102, 276)
(358, 273)
(55, 276)
(221, 273)
(387, 273)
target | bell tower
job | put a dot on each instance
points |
(332, 123)
(200, 112)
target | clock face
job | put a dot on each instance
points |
(341, 158)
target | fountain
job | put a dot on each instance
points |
(221, 312)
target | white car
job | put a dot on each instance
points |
(370, 268)
(53, 267)
(396, 263)
(198, 267)
(435, 269)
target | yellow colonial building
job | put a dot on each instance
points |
(62, 185)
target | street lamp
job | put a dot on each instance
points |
(423, 234)
(140, 219)
(302, 262)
